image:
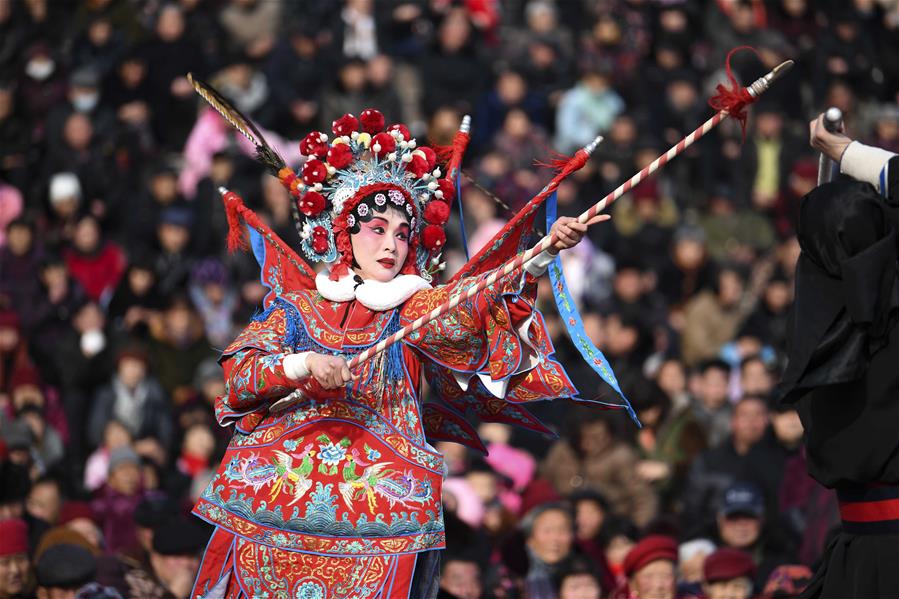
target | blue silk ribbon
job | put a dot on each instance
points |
(574, 326)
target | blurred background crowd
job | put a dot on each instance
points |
(116, 293)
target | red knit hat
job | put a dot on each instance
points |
(727, 564)
(73, 510)
(650, 549)
(13, 537)
(9, 319)
(25, 375)
(539, 491)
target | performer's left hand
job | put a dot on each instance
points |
(569, 232)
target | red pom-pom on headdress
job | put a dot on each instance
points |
(345, 125)
(446, 188)
(314, 145)
(418, 166)
(314, 171)
(402, 129)
(312, 203)
(320, 240)
(372, 121)
(340, 156)
(430, 156)
(437, 212)
(433, 237)
(382, 144)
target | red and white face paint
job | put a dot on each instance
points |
(381, 246)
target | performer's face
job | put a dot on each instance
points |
(381, 246)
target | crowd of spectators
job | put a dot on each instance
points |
(117, 294)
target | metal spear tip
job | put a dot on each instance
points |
(465, 127)
(760, 85)
(222, 190)
(780, 69)
(590, 147)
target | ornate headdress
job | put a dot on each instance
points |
(366, 167)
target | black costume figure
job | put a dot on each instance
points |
(843, 371)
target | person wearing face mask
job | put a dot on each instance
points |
(843, 347)
(42, 85)
(341, 492)
(83, 95)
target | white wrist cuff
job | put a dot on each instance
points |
(539, 263)
(864, 163)
(295, 365)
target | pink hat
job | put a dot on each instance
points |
(513, 463)
(469, 507)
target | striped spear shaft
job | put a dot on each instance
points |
(755, 89)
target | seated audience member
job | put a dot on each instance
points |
(460, 577)
(691, 557)
(728, 574)
(63, 569)
(711, 409)
(175, 554)
(591, 513)
(115, 502)
(715, 469)
(617, 537)
(755, 376)
(579, 581)
(15, 568)
(549, 542)
(651, 567)
(742, 525)
(595, 458)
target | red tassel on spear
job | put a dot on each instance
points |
(481, 262)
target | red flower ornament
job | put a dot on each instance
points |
(313, 145)
(345, 125)
(446, 188)
(418, 166)
(402, 129)
(314, 171)
(433, 237)
(320, 240)
(312, 203)
(382, 144)
(437, 212)
(372, 121)
(340, 156)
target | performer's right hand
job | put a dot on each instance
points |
(830, 144)
(331, 372)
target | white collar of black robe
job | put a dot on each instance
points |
(847, 288)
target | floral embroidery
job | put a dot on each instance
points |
(310, 590)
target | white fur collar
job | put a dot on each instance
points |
(374, 295)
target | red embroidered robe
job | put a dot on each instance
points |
(355, 476)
